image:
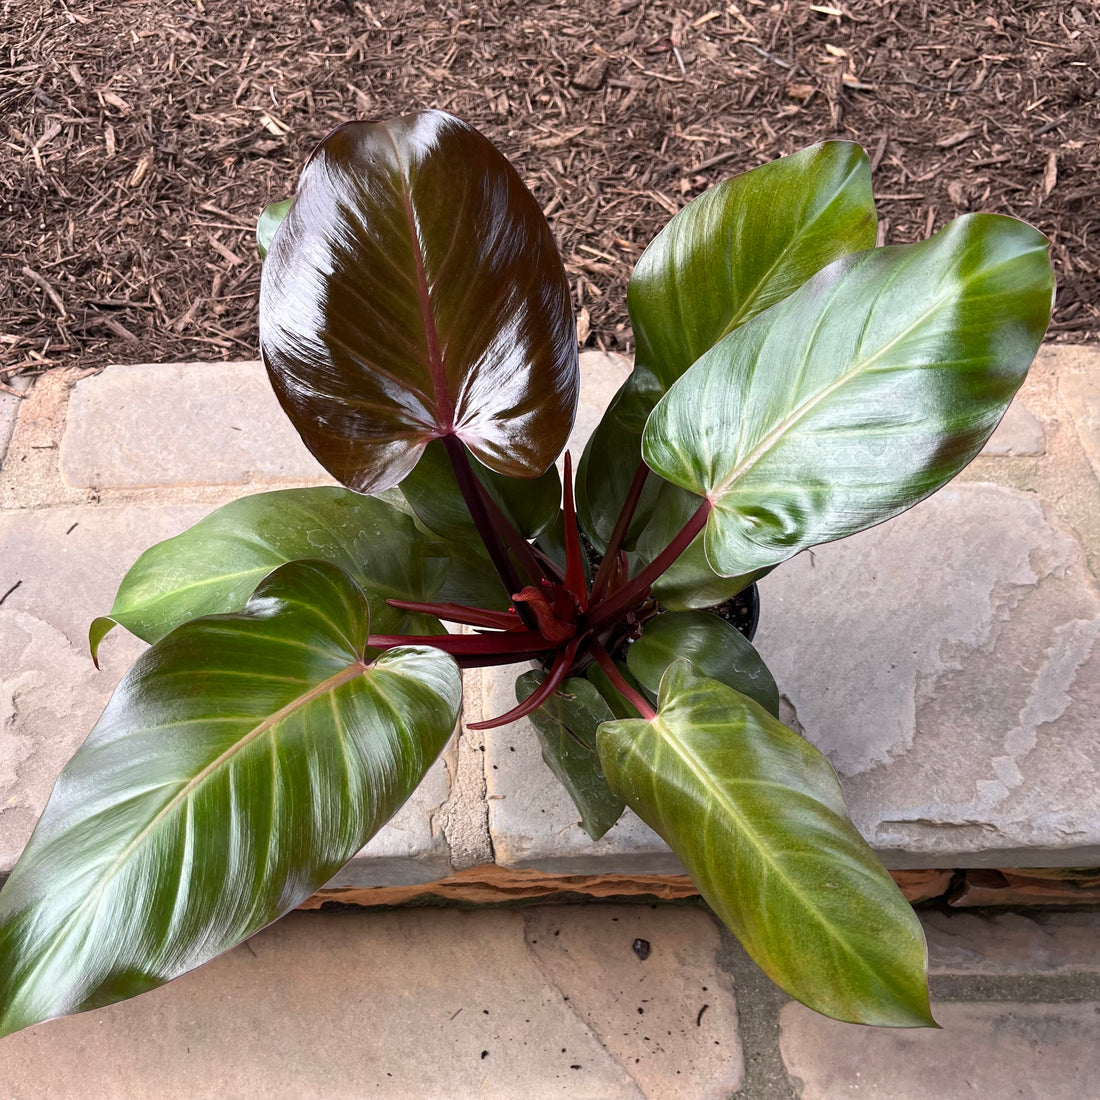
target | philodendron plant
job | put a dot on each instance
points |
(793, 385)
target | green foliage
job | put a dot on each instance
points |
(793, 385)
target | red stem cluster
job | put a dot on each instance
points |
(557, 618)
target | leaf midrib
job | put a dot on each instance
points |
(771, 440)
(694, 765)
(330, 684)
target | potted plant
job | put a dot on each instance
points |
(793, 385)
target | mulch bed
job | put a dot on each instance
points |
(140, 140)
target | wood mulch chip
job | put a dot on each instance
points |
(138, 141)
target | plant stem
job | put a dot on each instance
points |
(557, 673)
(635, 589)
(622, 525)
(472, 493)
(460, 613)
(513, 539)
(574, 552)
(636, 700)
(517, 644)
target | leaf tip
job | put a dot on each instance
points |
(100, 628)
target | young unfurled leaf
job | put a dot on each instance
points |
(240, 763)
(757, 817)
(414, 291)
(857, 396)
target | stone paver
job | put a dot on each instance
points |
(984, 1052)
(963, 726)
(168, 424)
(1012, 943)
(1019, 433)
(960, 723)
(9, 407)
(948, 664)
(1078, 388)
(423, 1003)
(644, 980)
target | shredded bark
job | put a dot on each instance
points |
(140, 141)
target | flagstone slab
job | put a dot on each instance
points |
(176, 424)
(984, 1052)
(947, 663)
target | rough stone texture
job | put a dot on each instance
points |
(984, 887)
(1012, 943)
(29, 476)
(602, 373)
(532, 821)
(1062, 476)
(671, 1017)
(429, 1003)
(948, 665)
(984, 1052)
(159, 424)
(69, 562)
(1019, 433)
(9, 410)
(1080, 389)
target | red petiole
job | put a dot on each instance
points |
(557, 616)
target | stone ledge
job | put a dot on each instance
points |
(971, 745)
(496, 885)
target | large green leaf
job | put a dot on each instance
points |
(716, 649)
(433, 494)
(214, 566)
(731, 253)
(757, 817)
(566, 726)
(857, 396)
(414, 291)
(240, 763)
(743, 246)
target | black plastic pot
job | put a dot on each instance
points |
(742, 612)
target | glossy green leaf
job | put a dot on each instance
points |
(271, 217)
(213, 567)
(731, 253)
(757, 817)
(610, 459)
(415, 291)
(743, 246)
(857, 396)
(716, 649)
(434, 496)
(690, 582)
(240, 763)
(566, 727)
